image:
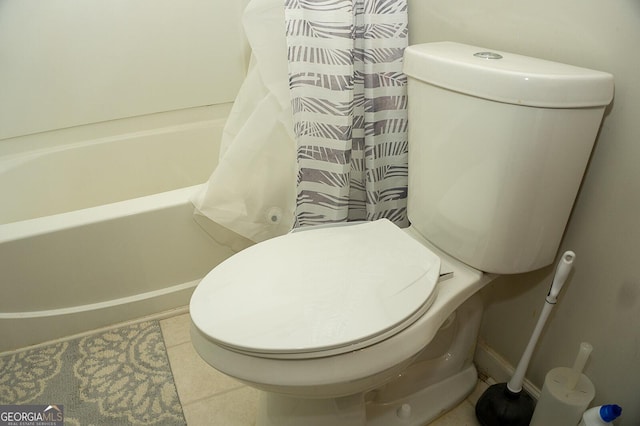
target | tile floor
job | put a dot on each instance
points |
(210, 398)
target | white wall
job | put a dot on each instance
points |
(66, 63)
(601, 301)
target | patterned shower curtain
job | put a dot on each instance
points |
(349, 108)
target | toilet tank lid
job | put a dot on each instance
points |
(507, 77)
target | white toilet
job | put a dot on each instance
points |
(370, 324)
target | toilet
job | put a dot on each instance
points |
(369, 324)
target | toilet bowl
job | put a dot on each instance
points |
(370, 324)
(326, 383)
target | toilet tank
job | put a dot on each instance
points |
(498, 145)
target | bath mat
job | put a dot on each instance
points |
(118, 377)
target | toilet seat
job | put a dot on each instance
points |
(317, 293)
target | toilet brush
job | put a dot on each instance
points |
(507, 404)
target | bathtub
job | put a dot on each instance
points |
(101, 231)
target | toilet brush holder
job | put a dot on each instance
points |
(566, 393)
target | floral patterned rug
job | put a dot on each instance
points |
(119, 377)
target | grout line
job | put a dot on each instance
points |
(162, 328)
(215, 395)
(173, 375)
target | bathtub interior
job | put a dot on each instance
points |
(72, 169)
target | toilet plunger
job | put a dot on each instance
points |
(507, 404)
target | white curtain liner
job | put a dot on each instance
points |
(252, 190)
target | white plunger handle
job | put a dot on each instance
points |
(562, 272)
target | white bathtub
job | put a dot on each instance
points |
(101, 231)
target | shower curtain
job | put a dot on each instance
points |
(252, 190)
(324, 99)
(349, 108)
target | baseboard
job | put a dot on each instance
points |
(493, 368)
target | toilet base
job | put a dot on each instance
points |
(426, 404)
(437, 380)
(413, 410)
(281, 410)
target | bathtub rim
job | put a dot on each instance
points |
(13, 231)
